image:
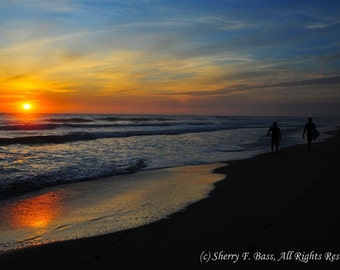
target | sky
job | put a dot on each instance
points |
(220, 57)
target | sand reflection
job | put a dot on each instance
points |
(36, 212)
(90, 208)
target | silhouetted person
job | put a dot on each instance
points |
(276, 136)
(311, 132)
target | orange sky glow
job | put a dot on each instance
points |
(159, 57)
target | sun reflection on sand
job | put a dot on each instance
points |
(36, 212)
(91, 208)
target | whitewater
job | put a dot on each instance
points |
(52, 149)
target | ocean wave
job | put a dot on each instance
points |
(135, 119)
(14, 187)
(61, 123)
(86, 136)
(69, 120)
(87, 123)
(135, 166)
(32, 127)
(24, 127)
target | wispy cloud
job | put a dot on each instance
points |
(241, 88)
(187, 53)
(45, 5)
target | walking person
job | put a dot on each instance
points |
(275, 132)
(310, 128)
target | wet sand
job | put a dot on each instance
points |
(271, 206)
(88, 208)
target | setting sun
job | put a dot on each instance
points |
(26, 106)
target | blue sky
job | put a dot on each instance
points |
(254, 57)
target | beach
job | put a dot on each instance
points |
(274, 210)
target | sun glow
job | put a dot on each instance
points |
(35, 212)
(26, 106)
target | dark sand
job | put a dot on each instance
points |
(269, 204)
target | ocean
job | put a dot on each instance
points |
(44, 150)
(66, 176)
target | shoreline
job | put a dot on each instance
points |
(269, 204)
(107, 205)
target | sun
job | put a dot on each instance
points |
(27, 106)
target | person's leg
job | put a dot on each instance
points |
(309, 138)
(277, 146)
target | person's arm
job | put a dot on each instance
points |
(269, 130)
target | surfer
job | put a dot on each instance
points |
(311, 132)
(276, 136)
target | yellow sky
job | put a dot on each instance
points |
(211, 57)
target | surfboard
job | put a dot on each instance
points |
(316, 134)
